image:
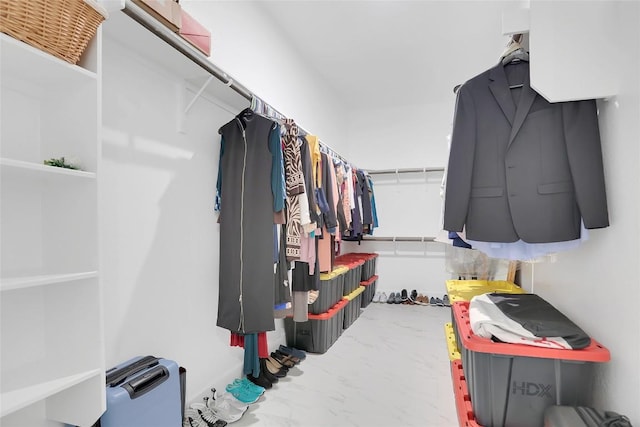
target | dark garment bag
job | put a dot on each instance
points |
(540, 318)
(582, 416)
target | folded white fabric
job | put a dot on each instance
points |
(524, 319)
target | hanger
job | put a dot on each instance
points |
(245, 115)
(515, 52)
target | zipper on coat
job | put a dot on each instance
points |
(244, 168)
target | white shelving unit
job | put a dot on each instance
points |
(51, 328)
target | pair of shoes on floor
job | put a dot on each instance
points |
(300, 354)
(380, 297)
(421, 299)
(287, 360)
(411, 298)
(223, 406)
(244, 390)
(199, 418)
(267, 376)
(392, 298)
(216, 398)
(273, 367)
(444, 302)
(398, 297)
(273, 364)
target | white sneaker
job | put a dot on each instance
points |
(225, 410)
(225, 397)
(383, 297)
(207, 416)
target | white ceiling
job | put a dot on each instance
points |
(393, 52)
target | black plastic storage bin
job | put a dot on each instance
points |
(352, 309)
(353, 276)
(513, 384)
(331, 290)
(369, 290)
(318, 333)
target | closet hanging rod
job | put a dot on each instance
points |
(397, 239)
(178, 43)
(404, 170)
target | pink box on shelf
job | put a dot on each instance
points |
(195, 33)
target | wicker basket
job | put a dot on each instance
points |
(62, 28)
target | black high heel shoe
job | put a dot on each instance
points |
(260, 380)
(266, 373)
(276, 370)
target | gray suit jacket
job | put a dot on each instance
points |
(521, 167)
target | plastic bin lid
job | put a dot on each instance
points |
(329, 313)
(464, 290)
(595, 352)
(452, 346)
(371, 280)
(328, 276)
(356, 255)
(350, 263)
(354, 294)
(462, 397)
(340, 270)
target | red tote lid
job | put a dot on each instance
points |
(331, 312)
(369, 281)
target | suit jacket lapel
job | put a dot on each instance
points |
(527, 97)
(500, 89)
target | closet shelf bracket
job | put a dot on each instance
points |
(182, 96)
(197, 95)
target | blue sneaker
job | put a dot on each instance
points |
(245, 384)
(245, 396)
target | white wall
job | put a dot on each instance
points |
(410, 136)
(254, 51)
(160, 237)
(597, 285)
(413, 136)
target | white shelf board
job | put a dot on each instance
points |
(22, 62)
(42, 168)
(130, 34)
(12, 283)
(17, 399)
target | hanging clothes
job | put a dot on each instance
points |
(534, 174)
(356, 230)
(343, 188)
(295, 186)
(309, 185)
(306, 276)
(249, 192)
(314, 147)
(326, 243)
(374, 210)
(365, 202)
(281, 286)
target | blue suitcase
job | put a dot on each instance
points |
(143, 392)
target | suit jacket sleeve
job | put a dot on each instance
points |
(582, 136)
(460, 167)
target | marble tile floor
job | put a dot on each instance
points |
(389, 368)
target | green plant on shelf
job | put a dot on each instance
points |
(60, 163)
